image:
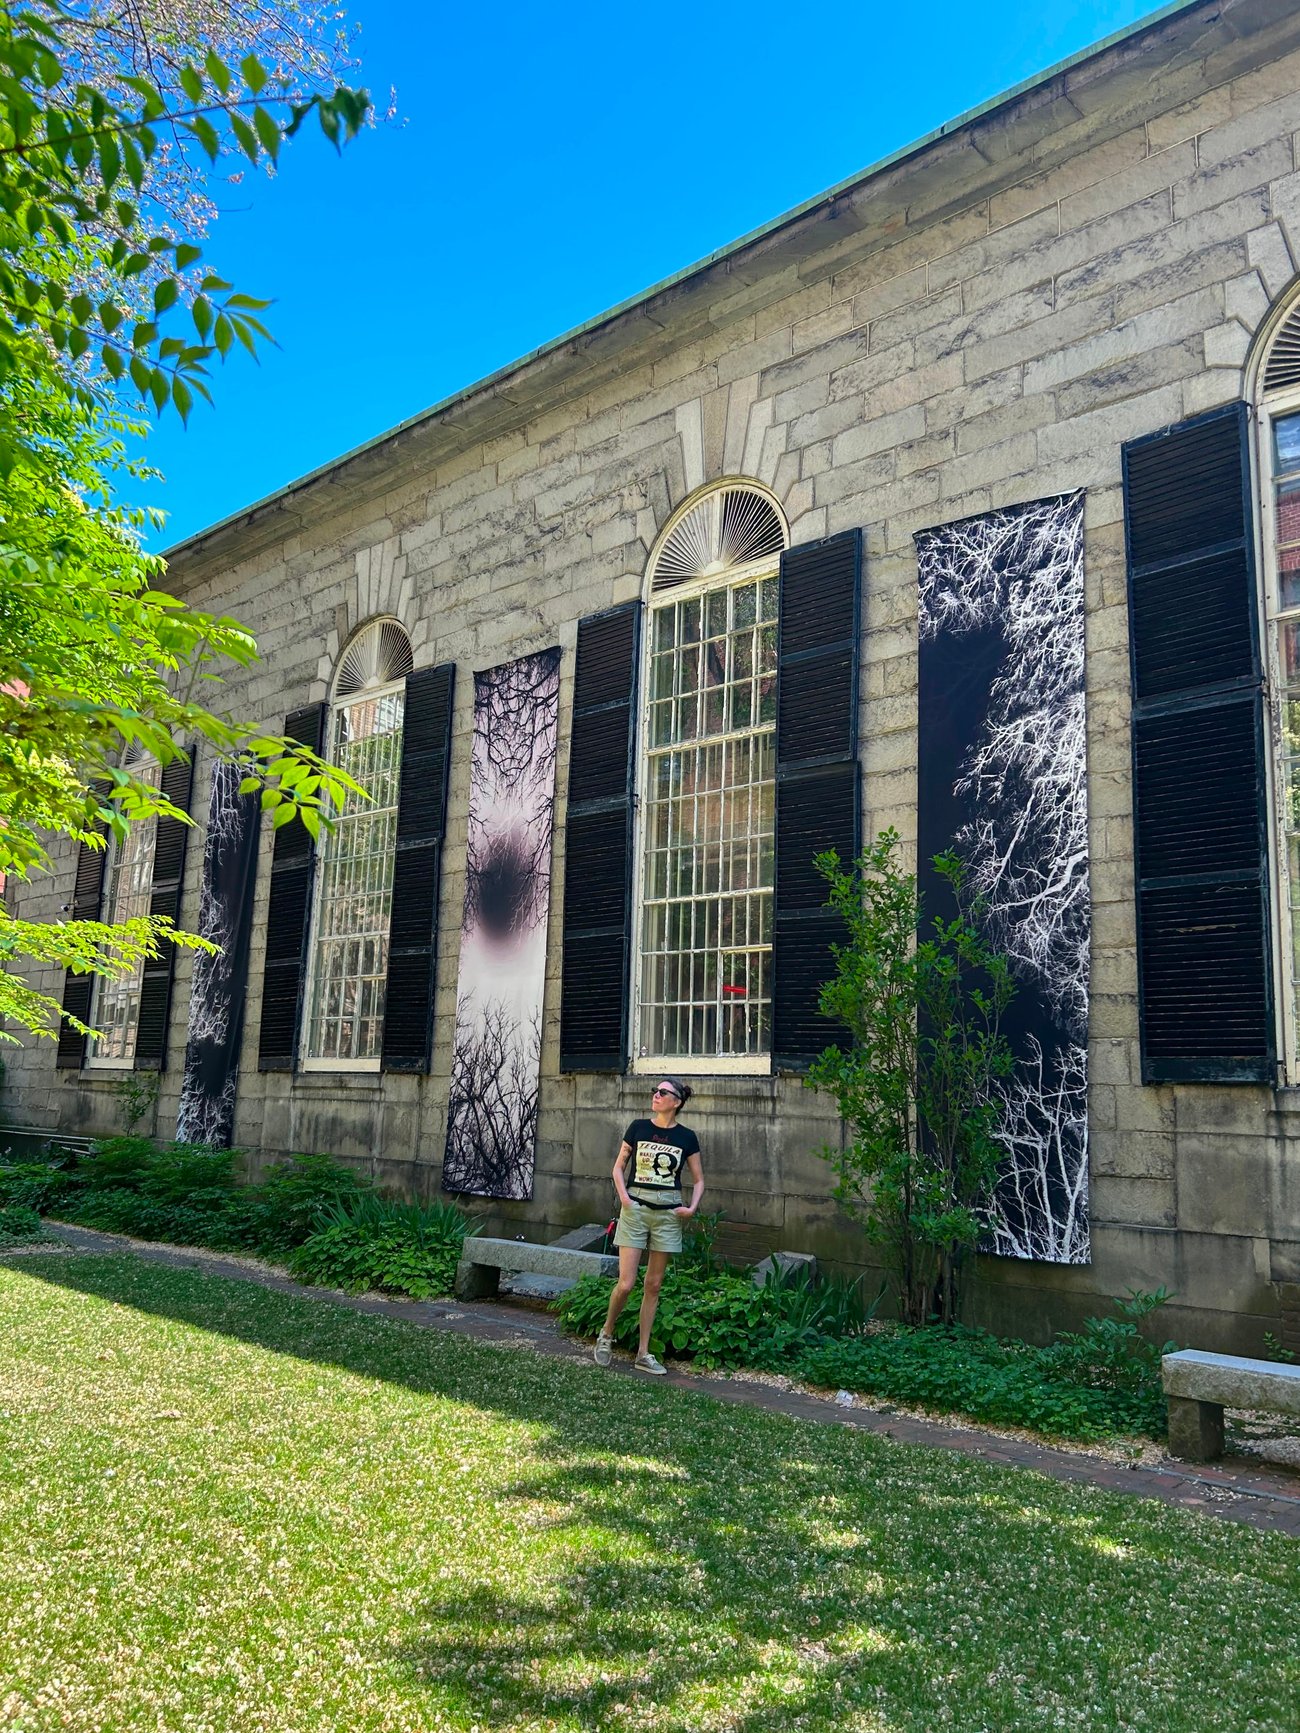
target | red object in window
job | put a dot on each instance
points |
(738, 991)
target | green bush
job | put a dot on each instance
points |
(967, 1372)
(1102, 1383)
(282, 1211)
(1112, 1355)
(19, 1226)
(34, 1185)
(205, 1218)
(182, 1193)
(716, 1317)
(370, 1242)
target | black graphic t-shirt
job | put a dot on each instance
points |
(659, 1152)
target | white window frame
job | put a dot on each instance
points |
(1277, 405)
(310, 1062)
(145, 833)
(685, 1065)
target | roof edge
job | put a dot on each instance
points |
(851, 183)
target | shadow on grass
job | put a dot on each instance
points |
(675, 1562)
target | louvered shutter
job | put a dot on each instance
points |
(1200, 816)
(170, 838)
(817, 796)
(293, 864)
(598, 844)
(87, 901)
(417, 869)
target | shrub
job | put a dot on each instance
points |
(917, 1081)
(718, 1318)
(371, 1242)
(1102, 1383)
(1111, 1354)
(967, 1372)
(19, 1226)
(34, 1185)
(283, 1210)
(205, 1218)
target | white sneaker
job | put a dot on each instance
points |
(648, 1363)
(604, 1349)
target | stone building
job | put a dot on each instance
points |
(873, 519)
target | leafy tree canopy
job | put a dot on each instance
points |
(102, 672)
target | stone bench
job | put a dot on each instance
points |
(1200, 1386)
(478, 1274)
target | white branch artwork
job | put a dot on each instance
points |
(1022, 786)
(496, 1054)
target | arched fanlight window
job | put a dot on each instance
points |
(704, 988)
(730, 526)
(349, 947)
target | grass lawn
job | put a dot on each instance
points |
(222, 1509)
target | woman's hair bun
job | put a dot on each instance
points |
(684, 1090)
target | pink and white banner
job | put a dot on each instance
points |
(496, 1059)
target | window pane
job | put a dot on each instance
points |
(349, 967)
(709, 825)
(1286, 443)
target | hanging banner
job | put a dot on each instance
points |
(1002, 774)
(496, 1059)
(220, 981)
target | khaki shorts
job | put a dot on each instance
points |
(659, 1229)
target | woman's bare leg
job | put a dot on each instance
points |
(629, 1260)
(656, 1264)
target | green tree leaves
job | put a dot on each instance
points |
(100, 669)
(917, 1082)
(66, 151)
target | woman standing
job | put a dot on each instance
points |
(653, 1210)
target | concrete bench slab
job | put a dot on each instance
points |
(478, 1275)
(1199, 1386)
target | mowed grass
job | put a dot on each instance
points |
(225, 1509)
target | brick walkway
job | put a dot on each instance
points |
(1262, 1496)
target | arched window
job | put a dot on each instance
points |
(128, 893)
(704, 979)
(349, 943)
(1278, 401)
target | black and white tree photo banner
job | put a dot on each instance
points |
(220, 979)
(497, 1052)
(1002, 772)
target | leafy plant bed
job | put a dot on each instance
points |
(310, 1211)
(1103, 1382)
(21, 1227)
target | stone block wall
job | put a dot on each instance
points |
(982, 323)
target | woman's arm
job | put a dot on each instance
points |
(620, 1162)
(697, 1180)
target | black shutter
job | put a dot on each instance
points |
(417, 869)
(293, 864)
(170, 838)
(817, 800)
(598, 844)
(87, 901)
(1199, 794)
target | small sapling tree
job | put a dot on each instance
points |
(917, 1082)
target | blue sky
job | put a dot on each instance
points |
(547, 164)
